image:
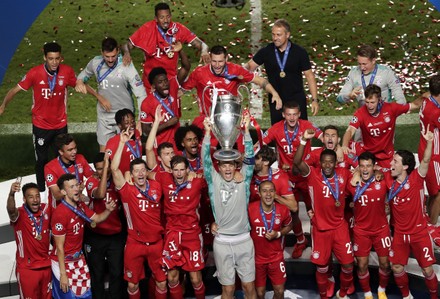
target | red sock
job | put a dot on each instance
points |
(322, 280)
(432, 284)
(401, 280)
(176, 291)
(151, 287)
(384, 277)
(160, 294)
(298, 231)
(199, 291)
(346, 277)
(135, 295)
(364, 281)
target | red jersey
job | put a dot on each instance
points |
(149, 38)
(378, 131)
(66, 223)
(170, 108)
(313, 159)
(181, 208)
(128, 154)
(112, 225)
(267, 251)
(369, 208)
(49, 108)
(327, 215)
(430, 115)
(54, 169)
(203, 77)
(407, 206)
(287, 142)
(32, 253)
(143, 213)
(280, 180)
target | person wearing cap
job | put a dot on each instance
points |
(233, 246)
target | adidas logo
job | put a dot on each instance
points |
(42, 82)
(257, 220)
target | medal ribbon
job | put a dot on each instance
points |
(52, 82)
(431, 98)
(360, 191)
(288, 139)
(167, 37)
(258, 182)
(162, 102)
(225, 74)
(179, 188)
(136, 153)
(78, 212)
(190, 166)
(392, 193)
(334, 192)
(282, 65)
(257, 127)
(38, 227)
(145, 193)
(272, 220)
(67, 171)
(98, 69)
(373, 75)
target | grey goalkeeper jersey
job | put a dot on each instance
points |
(117, 86)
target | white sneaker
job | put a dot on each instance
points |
(340, 297)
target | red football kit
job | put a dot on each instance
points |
(313, 159)
(131, 151)
(280, 180)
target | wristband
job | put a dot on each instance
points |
(315, 100)
(303, 142)
(278, 234)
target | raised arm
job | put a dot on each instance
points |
(298, 158)
(118, 176)
(149, 152)
(346, 139)
(204, 50)
(424, 163)
(10, 204)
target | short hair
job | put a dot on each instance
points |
(372, 90)
(217, 50)
(282, 23)
(156, 72)
(163, 146)
(327, 152)
(63, 178)
(28, 186)
(266, 182)
(291, 105)
(137, 161)
(120, 114)
(51, 47)
(181, 133)
(108, 44)
(63, 139)
(434, 85)
(99, 157)
(407, 159)
(267, 154)
(177, 160)
(367, 51)
(330, 127)
(161, 6)
(367, 156)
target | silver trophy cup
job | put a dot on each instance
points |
(226, 119)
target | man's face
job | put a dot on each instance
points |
(163, 18)
(68, 152)
(110, 58)
(258, 164)
(162, 85)
(371, 103)
(397, 167)
(71, 190)
(191, 143)
(330, 139)
(32, 199)
(165, 156)
(139, 174)
(180, 173)
(280, 36)
(366, 168)
(366, 64)
(99, 167)
(218, 63)
(267, 193)
(227, 170)
(291, 115)
(328, 164)
(127, 122)
(53, 60)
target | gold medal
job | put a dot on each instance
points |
(282, 74)
(351, 204)
(170, 54)
(38, 237)
(93, 224)
(337, 203)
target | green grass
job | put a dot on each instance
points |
(330, 31)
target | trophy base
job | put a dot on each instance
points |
(227, 155)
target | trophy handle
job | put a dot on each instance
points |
(203, 102)
(246, 89)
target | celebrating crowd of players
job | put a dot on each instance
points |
(172, 208)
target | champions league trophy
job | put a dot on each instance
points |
(225, 116)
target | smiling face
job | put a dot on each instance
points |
(71, 191)
(366, 168)
(111, 57)
(163, 18)
(330, 139)
(280, 36)
(366, 64)
(162, 85)
(190, 144)
(397, 167)
(32, 199)
(218, 63)
(180, 173)
(53, 60)
(227, 170)
(68, 152)
(371, 104)
(328, 164)
(127, 122)
(139, 175)
(291, 115)
(267, 194)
